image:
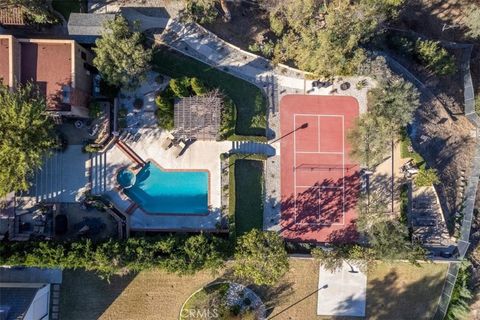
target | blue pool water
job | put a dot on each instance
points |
(157, 191)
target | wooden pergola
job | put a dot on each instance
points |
(198, 117)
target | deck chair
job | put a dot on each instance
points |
(167, 143)
(178, 149)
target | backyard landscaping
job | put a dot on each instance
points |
(249, 100)
(400, 291)
(246, 192)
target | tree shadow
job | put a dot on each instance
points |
(82, 288)
(300, 214)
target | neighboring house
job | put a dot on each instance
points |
(60, 68)
(29, 293)
(87, 27)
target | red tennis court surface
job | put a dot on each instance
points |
(320, 183)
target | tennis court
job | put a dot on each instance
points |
(319, 181)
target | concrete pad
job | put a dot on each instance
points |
(343, 292)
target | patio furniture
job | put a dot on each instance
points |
(178, 149)
(168, 141)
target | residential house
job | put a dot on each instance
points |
(29, 293)
(60, 68)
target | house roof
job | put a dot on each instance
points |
(87, 24)
(49, 65)
(15, 302)
(4, 61)
(30, 275)
(12, 15)
(198, 117)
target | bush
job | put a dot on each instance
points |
(180, 254)
(94, 110)
(138, 103)
(198, 86)
(277, 24)
(92, 148)
(426, 177)
(227, 125)
(180, 87)
(459, 306)
(434, 57)
(202, 12)
(477, 104)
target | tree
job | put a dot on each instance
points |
(35, 11)
(26, 135)
(332, 259)
(395, 101)
(472, 20)
(387, 238)
(120, 55)
(434, 57)
(261, 257)
(369, 139)
(325, 37)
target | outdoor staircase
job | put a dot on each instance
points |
(47, 180)
(98, 178)
(247, 147)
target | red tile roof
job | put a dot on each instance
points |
(12, 16)
(4, 62)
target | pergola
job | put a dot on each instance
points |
(198, 117)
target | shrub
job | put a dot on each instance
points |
(202, 12)
(92, 148)
(277, 24)
(434, 57)
(426, 177)
(138, 103)
(459, 306)
(198, 86)
(254, 47)
(94, 110)
(180, 87)
(477, 104)
(180, 254)
(227, 125)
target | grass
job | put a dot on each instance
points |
(394, 291)
(65, 7)
(404, 204)
(249, 100)
(151, 294)
(246, 193)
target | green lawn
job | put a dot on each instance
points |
(245, 193)
(249, 100)
(65, 7)
(249, 195)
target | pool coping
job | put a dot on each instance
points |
(124, 196)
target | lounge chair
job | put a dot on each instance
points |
(178, 149)
(167, 142)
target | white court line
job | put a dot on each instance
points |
(318, 134)
(319, 152)
(321, 187)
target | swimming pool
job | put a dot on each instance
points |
(157, 191)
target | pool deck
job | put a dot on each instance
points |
(201, 155)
